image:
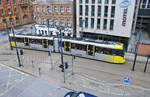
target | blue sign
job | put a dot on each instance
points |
(126, 80)
(125, 3)
(148, 56)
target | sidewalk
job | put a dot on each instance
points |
(131, 56)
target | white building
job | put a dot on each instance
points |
(108, 18)
(52, 31)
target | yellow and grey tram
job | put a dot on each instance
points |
(99, 50)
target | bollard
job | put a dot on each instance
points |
(39, 71)
(32, 64)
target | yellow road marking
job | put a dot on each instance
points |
(14, 69)
(9, 76)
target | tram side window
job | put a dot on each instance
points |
(19, 39)
(79, 46)
(107, 51)
(118, 52)
(38, 41)
(99, 50)
(84, 47)
(50, 42)
(33, 41)
(73, 46)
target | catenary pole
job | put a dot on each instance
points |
(18, 57)
(61, 51)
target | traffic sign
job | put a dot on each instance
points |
(126, 80)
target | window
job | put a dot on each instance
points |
(93, 1)
(15, 10)
(105, 24)
(144, 1)
(111, 24)
(68, 9)
(18, 39)
(112, 11)
(49, 9)
(25, 18)
(92, 10)
(56, 22)
(50, 22)
(99, 1)
(148, 6)
(2, 12)
(99, 10)
(87, 1)
(86, 10)
(80, 22)
(22, 1)
(62, 22)
(7, 1)
(99, 50)
(4, 21)
(38, 20)
(10, 20)
(98, 23)
(80, 11)
(107, 51)
(14, 1)
(17, 20)
(80, 1)
(0, 2)
(9, 11)
(37, 9)
(113, 1)
(68, 23)
(43, 9)
(92, 22)
(106, 1)
(86, 22)
(106, 11)
(44, 21)
(56, 9)
(62, 9)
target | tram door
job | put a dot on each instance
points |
(67, 46)
(45, 43)
(90, 50)
(26, 41)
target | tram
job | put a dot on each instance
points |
(107, 51)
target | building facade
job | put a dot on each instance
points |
(144, 15)
(17, 11)
(54, 13)
(105, 19)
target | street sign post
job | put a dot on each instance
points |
(126, 82)
(146, 63)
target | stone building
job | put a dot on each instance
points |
(17, 11)
(55, 13)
